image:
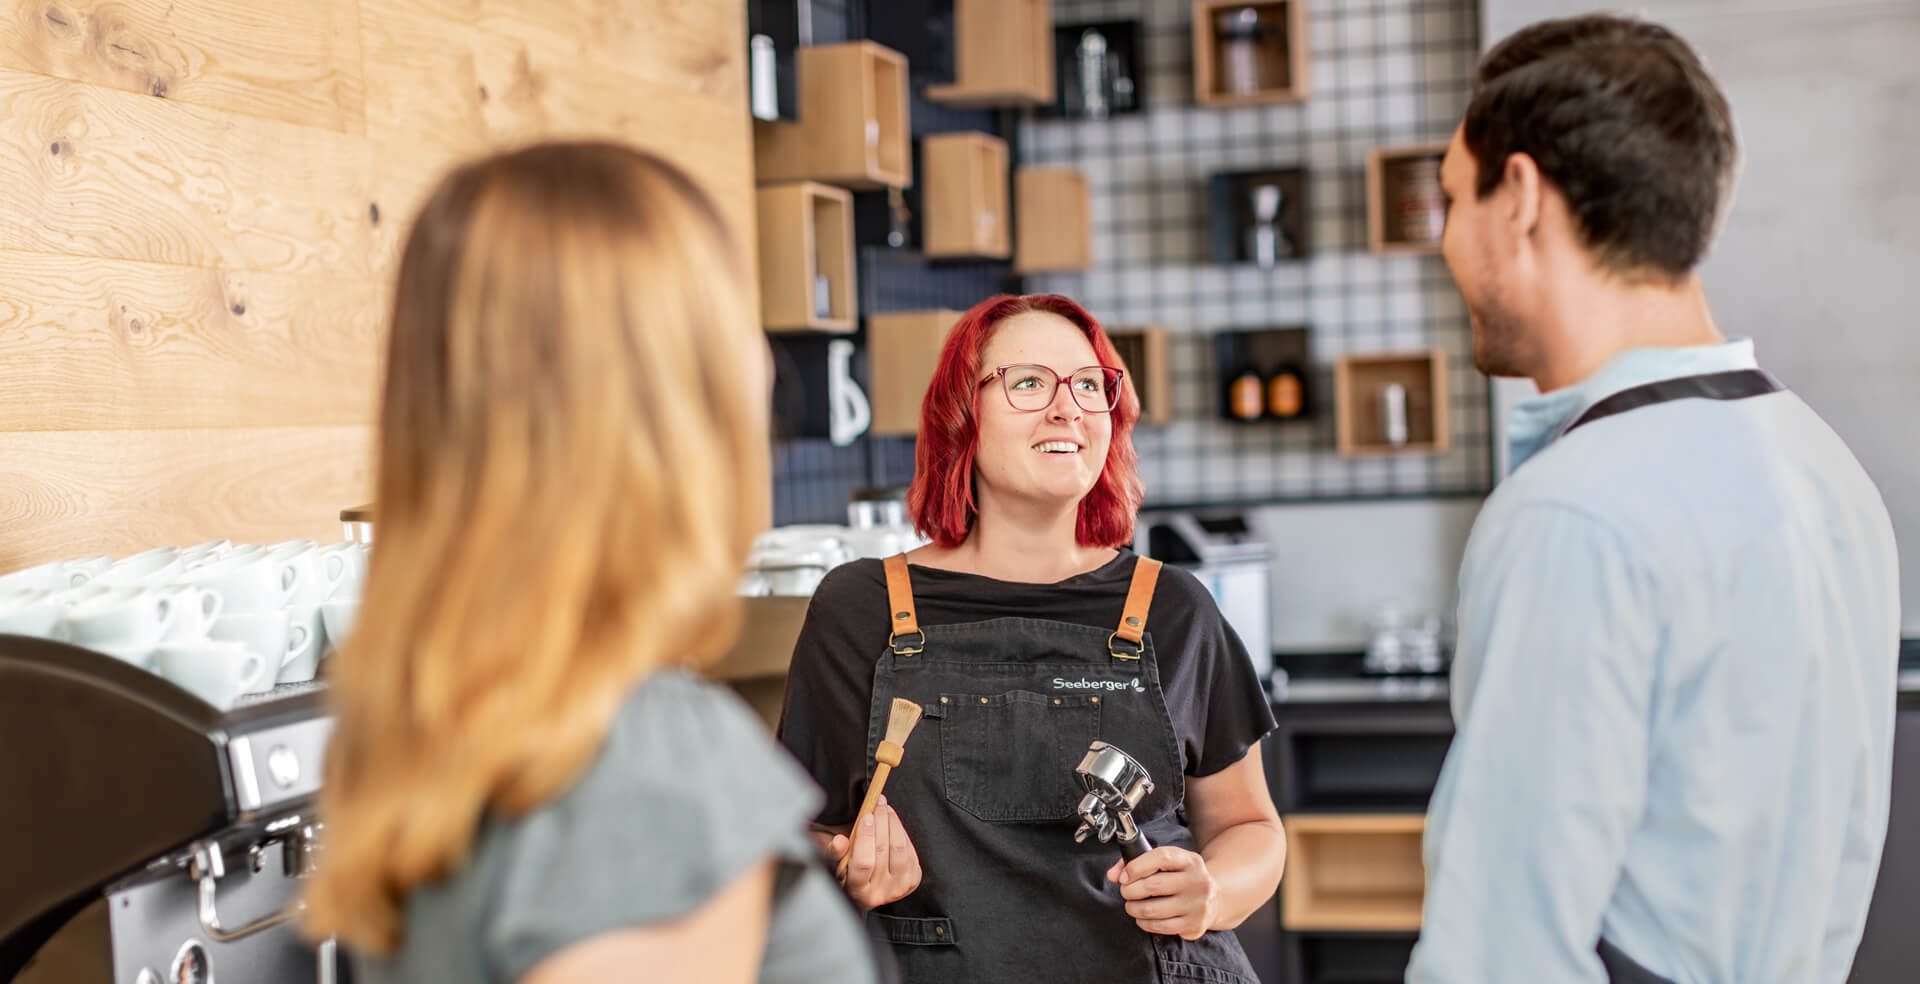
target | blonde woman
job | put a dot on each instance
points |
(526, 784)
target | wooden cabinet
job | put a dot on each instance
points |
(1053, 228)
(1394, 403)
(1143, 352)
(853, 128)
(963, 195)
(1406, 212)
(1353, 872)
(1245, 53)
(902, 349)
(1003, 54)
(806, 257)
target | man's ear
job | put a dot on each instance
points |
(1521, 185)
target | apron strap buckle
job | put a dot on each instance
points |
(905, 621)
(1115, 643)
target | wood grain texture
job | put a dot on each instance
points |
(207, 200)
(108, 344)
(423, 94)
(98, 172)
(296, 61)
(536, 95)
(678, 45)
(77, 493)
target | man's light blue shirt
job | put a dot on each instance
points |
(1674, 693)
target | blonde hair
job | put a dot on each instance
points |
(572, 464)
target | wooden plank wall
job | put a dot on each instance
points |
(204, 204)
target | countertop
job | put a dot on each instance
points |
(1422, 689)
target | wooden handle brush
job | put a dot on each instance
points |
(900, 724)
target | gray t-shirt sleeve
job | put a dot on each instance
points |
(688, 793)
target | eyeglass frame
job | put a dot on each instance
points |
(1117, 378)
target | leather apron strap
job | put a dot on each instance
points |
(906, 639)
(1127, 641)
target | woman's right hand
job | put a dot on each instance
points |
(885, 867)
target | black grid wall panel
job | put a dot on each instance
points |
(1383, 72)
(813, 480)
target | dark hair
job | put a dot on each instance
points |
(1623, 118)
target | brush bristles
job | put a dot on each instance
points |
(900, 722)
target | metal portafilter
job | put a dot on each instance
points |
(1115, 785)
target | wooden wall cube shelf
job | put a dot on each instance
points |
(902, 349)
(1358, 873)
(1143, 352)
(853, 128)
(1406, 211)
(1003, 54)
(1360, 383)
(1246, 53)
(805, 233)
(964, 197)
(1053, 225)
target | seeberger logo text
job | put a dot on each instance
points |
(1061, 683)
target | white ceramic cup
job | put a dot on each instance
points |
(151, 566)
(216, 671)
(40, 576)
(246, 580)
(30, 612)
(339, 616)
(267, 633)
(195, 610)
(345, 564)
(315, 574)
(306, 639)
(209, 548)
(118, 616)
(86, 569)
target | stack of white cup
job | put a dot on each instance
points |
(216, 619)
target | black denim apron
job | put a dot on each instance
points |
(1737, 384)
(986, 790)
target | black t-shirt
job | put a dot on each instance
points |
(1212, 693)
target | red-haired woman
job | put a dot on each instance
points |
(1025, 631)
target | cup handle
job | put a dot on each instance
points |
(289, 580)
(254, 676)
(296, 644)
(334, 569)
(167, 611)
(211, 604)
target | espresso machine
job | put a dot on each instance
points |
(147, 837)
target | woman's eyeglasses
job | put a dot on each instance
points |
(1096, 389)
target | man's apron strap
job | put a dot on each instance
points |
(1735, 384)
(1622, 969)
(905, 639)
(1127, 641)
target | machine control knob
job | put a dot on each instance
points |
(283, 766)
(191, 965)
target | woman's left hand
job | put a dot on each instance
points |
(1168, 891)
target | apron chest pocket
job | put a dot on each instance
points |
(1010, 757)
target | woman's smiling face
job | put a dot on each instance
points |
(1053, 454)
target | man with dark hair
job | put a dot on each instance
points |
(1679, 617)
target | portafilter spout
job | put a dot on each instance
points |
(1115, 783)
